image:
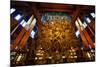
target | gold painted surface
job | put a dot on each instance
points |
(56, 39)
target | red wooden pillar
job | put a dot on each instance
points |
(22, 35)
(86, 39)
(24, 40)
(27, 34)
(75, 15)
(18, 38)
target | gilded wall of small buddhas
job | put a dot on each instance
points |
(56, 43)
